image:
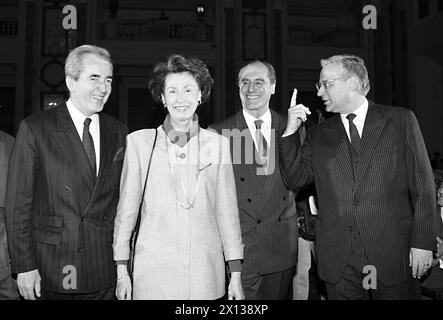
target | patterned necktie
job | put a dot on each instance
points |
(353, 132)
(262, 145)
(88, 144)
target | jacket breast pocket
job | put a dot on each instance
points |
(387, 152)
(47, 237)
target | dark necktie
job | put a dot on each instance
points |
(88, 144)
(353, 132)
(262, 146)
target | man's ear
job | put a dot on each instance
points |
(273, 88)
(69, 83)
(354, 84)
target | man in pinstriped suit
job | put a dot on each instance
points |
(267, 208)
(63, 187)
(374, 183)
(8, 286)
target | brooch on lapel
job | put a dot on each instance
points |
(119, 154)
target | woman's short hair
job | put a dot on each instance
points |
(74, 61)
(353, 66)
(178, 64)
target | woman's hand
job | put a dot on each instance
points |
(235, 290)
(124, 288)
(124, 285)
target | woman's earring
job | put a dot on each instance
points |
(199, 102)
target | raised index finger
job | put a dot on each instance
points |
(293, 98)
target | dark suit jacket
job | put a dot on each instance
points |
(58, 215)
(9, 291)
(266, 207)
(391, 200)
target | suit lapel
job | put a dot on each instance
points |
(71, 147)
(247, 170)
(338, 139)
(2, 153)
(373, 127)
(272, 177)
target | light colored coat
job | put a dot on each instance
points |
(179, 252)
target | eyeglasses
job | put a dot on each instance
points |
(327, 83)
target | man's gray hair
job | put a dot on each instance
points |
(269, 66)
(354, 66)
(74, 61)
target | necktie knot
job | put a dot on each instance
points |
(87, 122)
(258, 124)
(350, 116)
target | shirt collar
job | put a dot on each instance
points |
(77, 117)
(266, 117)
(360, 112)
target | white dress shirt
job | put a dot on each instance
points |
(359, 120)
(265, 127)
(94, 128)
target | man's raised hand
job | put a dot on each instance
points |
(297, 114)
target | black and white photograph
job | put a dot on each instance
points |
(221, 157)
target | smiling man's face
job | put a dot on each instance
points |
(255, 88)
(91, 90)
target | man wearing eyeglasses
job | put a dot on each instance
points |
(375, 187)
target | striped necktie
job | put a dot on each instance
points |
(262, 145)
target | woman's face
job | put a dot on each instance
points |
(181, 95)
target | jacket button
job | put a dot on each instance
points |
(349, 228)
(82, 219)
(284, 198)
(249, 200)
(68, 187)
(105, 217)
(258, 221)
(242, 179)
(356, 203)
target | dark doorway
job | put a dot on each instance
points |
(7, 107)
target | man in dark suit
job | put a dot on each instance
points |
(267, 208)
(63, 188)
(8, 287)
(374, 184)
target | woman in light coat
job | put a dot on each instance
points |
(189, 220)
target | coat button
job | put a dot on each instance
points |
(68, 187)
(258, 221)
(249, 200)
(284, 198)
(82, 219)
(242, 179)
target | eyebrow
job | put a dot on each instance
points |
(99, 76)
(252, 79)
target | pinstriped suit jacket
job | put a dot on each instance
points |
(6, 144)
(57, 214)
(391, 200)
(267, 209)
